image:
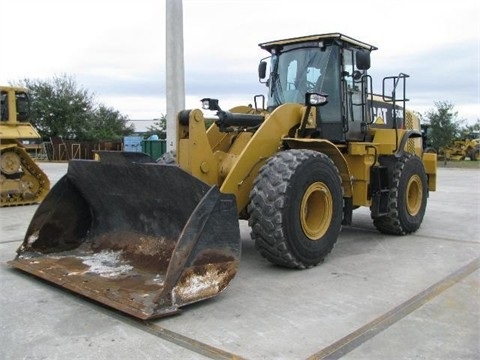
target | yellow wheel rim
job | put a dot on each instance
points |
(10, 163)
(316, 210)
(30, 183)
(414, 195)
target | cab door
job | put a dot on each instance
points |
(353, 91)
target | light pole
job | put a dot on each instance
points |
(175, 77)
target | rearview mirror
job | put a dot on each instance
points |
(363, 59)
(262, 70)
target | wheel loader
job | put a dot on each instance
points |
(469, 147)
(149, 237)
(22, 181)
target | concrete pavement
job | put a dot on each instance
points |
(375, 297)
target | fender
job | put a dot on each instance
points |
(332, 151)
(410, 134)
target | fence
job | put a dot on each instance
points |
(63, 150)
(58, 149)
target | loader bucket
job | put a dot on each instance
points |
(137, 236)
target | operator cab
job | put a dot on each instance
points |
(331, 64)
(14, 105)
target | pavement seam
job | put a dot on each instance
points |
(368, 331)
(191, 344)
(10, 241)
(469, 242)
(472, 242)
(183, 341)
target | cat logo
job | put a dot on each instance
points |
(381, 115)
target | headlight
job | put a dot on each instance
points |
(210, 104)
(315, 99)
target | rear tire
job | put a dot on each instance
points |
(407, 198)
(296, 208)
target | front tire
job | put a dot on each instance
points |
(407, 199)
(296, 208)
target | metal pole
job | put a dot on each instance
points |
(175, 77)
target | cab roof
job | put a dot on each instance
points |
(12, 88)
(321, 37)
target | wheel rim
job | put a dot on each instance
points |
(316, 210)
(414, 195)
(30, 184)
(10, 163)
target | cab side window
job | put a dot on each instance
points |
(4, 106)
(23, 106)
(349, 68)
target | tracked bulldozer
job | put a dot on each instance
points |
(148, 237)
(22, 181)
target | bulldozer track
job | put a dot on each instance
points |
(30, 168)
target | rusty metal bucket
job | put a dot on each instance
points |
(137, 236)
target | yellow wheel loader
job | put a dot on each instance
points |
(22, 182)
(148, 237)
(461, 149)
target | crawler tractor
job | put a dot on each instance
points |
(22, 182)
(149, 237)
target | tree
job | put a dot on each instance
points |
(473, 128)
(159, 127)
(59, 107)
(445, 125)
(108, 124)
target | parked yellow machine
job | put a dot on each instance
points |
(461, 149)
(22, 182)
(149, 237)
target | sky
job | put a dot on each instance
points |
(115, 49)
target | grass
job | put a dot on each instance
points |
(463, 164)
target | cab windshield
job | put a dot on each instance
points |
(299, 70)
